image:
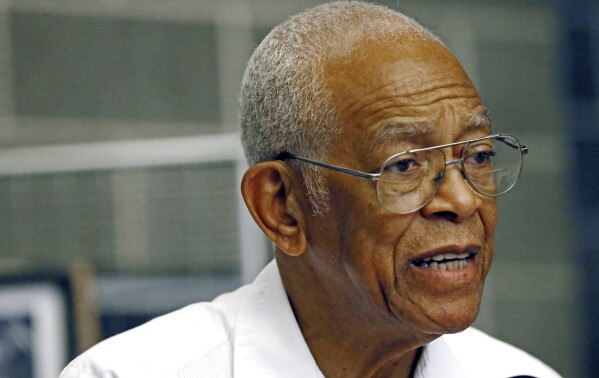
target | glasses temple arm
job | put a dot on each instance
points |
(516, 145)
(364, 175)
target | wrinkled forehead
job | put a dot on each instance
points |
(408, 64)
(407, 81)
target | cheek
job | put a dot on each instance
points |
(489, 215)
(370, 250)
(368, 235)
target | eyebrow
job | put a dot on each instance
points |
(393, 131)
(480, 120)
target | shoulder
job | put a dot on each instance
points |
(479, 354)
(167, 345)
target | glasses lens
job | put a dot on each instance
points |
(492, 166)
(409, 180)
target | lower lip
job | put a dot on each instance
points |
(449, 278)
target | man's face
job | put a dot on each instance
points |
(390, 99)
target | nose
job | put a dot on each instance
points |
(455, 200)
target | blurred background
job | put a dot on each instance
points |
(120, 166)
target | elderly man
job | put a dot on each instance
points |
(374, 172)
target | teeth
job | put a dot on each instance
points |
(449, 256)
(447, 265)
(446, 261)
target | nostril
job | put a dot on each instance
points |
(448, 215)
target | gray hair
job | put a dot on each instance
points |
(285, 105)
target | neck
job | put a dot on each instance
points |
(346, 335)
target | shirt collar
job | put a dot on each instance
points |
(268, 340)
(439, 360)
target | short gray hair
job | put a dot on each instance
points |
(285, 105)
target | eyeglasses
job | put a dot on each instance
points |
(408, 181)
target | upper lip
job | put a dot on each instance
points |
(456, 249)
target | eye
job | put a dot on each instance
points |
(403, 165)
(480, 157)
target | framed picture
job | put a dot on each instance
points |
(35, 335)
(127, 301)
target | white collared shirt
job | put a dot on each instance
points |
(252, 332)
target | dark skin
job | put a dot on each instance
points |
(363, 307)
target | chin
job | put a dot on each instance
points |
(457, 326)
(452, 319)
(444, 327)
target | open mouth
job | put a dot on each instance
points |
(446, 261)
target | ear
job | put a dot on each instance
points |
(270, 191)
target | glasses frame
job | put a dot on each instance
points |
(506, 138)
